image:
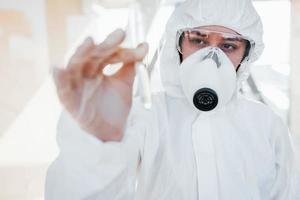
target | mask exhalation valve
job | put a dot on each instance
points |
(205, 99)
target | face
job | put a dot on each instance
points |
(230, 42)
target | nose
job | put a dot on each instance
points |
(214, 56)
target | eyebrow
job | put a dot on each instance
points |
(234, 39)
(198, 33)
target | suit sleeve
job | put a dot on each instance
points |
(88, 168)
(285, 182)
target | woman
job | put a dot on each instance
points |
(200, 139)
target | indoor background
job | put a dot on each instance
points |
(36, 35)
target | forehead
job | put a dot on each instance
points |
(218, 29)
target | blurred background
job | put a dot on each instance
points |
(36, 35)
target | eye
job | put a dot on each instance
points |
(229, 47)
(197, 41)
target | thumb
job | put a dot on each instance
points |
(127, 72)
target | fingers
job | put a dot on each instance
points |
(60, 77)
(90, 59)
(110, 44)
(103, 52)
(121, 55)
(84, 48)
(77, 61)
(126, 74)
(62, 83)
(66, 94)
(112, 41)
(129, 55)
(129, 58)
(87, 60)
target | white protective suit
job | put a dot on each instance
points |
(175, 152)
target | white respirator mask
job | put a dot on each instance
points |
(208, 79)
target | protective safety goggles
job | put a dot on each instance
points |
(193, 39)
